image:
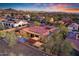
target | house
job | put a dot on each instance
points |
(28, 17)
(72, 35)
(66, 20)
(16, 23)
(18, 16)
(2, 19)
(73, 38)
(73, 26)
(7, 24)
(37, 31)
(52, 20)
(20, 23)
(41, 19)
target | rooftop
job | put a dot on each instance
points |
(40, 30)
(1, 19)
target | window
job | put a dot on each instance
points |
(23, 25)
(19, 25)
(9, 24)
(32, 35)
(77, 36)
(36, 36)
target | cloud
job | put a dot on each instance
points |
(64, 7)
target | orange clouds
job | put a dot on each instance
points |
(63, 8)
(71, 10)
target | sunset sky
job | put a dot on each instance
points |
(50, 7)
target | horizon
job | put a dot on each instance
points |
(47, 7)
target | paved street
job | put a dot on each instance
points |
(19, 49)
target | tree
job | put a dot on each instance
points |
(57, 43)
(37, 23)
(2, 26)
(11, 37)
(2, 34)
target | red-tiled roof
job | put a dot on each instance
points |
(1, 19)
(37, 29)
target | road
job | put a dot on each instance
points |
(20, 49)
(28, 50)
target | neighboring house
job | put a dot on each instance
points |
(18, 16)
(11, 24)
(37, 31)
(66, 20)
(20, 23)
(73, 37)
(52, 20)
(28, 17)
(7, 24)
(2, 19)
(41, 19)
(73, 26)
